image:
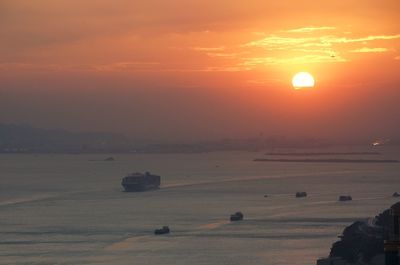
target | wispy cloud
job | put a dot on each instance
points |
(38, 67)
(363, 39)
(279, 48)
(305, 59)
(133, 67)
(208, 49)
(273, 42)
(279, 42)
(126, 66)
(223, 55)
(369, 50)
(316, 47)
(310, 29)
(118, 66)
(239, 68)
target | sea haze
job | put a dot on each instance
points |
(70, 209)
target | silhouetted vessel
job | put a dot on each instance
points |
(345, 198)
(141, 182)
(301, 194)
(238, 216)
(162, 231)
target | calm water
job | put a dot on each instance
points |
(66, 209)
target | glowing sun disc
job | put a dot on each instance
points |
(303, 80)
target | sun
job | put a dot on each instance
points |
(303, 80)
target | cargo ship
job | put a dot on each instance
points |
(141, 182)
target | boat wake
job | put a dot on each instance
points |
(214, 225)
(252, 178)
(126, 244)
(41, 197)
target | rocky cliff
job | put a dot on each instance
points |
(361, 242)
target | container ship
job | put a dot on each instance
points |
(141, 182)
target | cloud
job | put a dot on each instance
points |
(279, 42)
(305, 59)
(118, 66)
(31, 66)
(208, 49)
(126, 66)
(222, 55)
(363, 39)
(310, 29)
(284, 42)
(285, 48)
(368, 50)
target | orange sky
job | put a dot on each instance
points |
(184, 69)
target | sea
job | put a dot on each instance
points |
(69, 209)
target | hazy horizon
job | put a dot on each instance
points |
(282, 139)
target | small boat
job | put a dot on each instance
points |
(301, 194)
(162, 231)
(345, 198)
(238, 216)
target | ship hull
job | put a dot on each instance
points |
(138, 188)
(140, 182)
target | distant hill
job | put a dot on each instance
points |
(27, 139)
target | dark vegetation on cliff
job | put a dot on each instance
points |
(361, 241)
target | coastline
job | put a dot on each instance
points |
(333, 160)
